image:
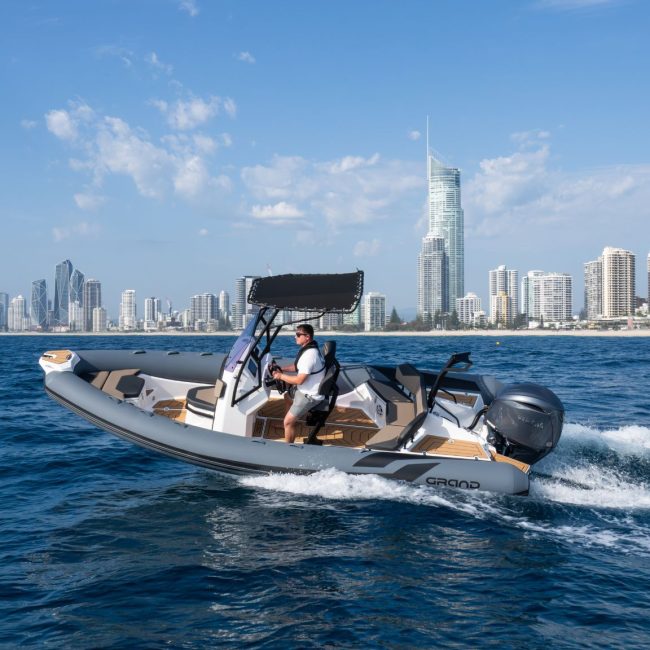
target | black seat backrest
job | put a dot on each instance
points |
(328, 383)
(329, 352)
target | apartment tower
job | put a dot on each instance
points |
(618, 282)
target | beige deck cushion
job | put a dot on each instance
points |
(100, 379)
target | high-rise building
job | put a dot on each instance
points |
(76, 287)
(447, 221)
(92, 298)
(501, 309)
(547, 296)
(503, 281)
(128, 311)
(38, 309)
(374, 308)
(75, 317)
(243, 311)
(4, 309)
(76, 321)
(354, 318)
(203, 307)
(594, 289)
(467, 306)
(17, 319)
(224, 307)
(618, 282)
(62, 275)
(648, 269)
(433, 274)
(99, 319)
(330, 321)
(152, 313)
(556, 297)
(529, 296)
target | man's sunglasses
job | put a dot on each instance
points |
(301, 334)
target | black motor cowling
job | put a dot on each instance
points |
(525, 421)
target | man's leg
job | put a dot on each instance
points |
(290, 426)
(301, 404)
(287, 402)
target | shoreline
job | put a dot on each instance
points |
(635, 333)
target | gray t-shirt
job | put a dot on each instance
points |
(311, 362)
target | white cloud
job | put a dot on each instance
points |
(179, 164)
(65, 124)
(246, 57)
(414, 135)
(61, 124)
(187, 115)
(279, 213)
(82, 229)
(120, 150)
(509, 180)
(345, 191)
(156, 63)
(28, 125)
(522, 198)
(204, 143)
(124, 55)
(367, 248)
(160, 104)
(190, 7)
(530, 138)
(191, 178)
(352, 162)
(88, 201)
(230, 107)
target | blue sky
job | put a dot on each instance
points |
(170, 146)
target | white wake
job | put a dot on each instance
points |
(608, 500)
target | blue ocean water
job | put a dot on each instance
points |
(106, 545)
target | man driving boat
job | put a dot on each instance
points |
(304, 385)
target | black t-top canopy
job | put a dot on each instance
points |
(338, 292)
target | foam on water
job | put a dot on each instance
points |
(606, 491)
(617, 479)
(631, 440)
(334, 484)
(623, 534)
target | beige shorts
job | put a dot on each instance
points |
(303, 403)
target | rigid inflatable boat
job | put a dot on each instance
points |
(447, 428)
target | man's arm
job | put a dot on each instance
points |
(290, 379)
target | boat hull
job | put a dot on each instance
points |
(236, 454)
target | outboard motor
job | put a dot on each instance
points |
(525, 421)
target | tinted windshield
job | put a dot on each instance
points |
(241, 345)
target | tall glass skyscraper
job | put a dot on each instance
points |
(446, 222)
(38, 308)
(92, 298)
(77, 287)
(62, 276)
(4, 309)
(433, 275)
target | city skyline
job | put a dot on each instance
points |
(543, 296)
(224, 139)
